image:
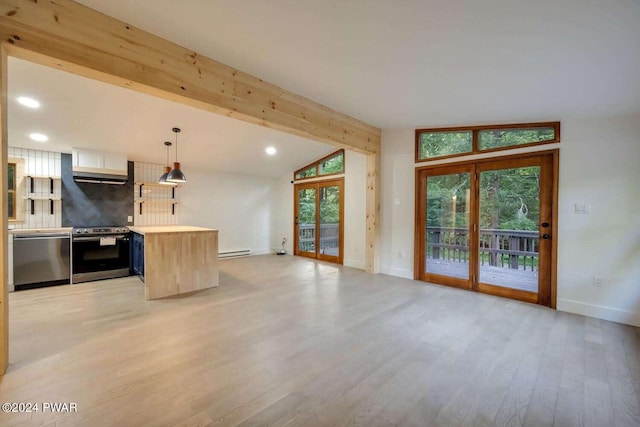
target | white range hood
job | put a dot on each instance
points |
(99, 167)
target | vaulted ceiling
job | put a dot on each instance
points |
(391, 64)
(79, 112)
(401, 64)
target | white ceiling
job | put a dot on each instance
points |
(80, 112)
(402, 64)
(393, 64)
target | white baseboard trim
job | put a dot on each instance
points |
(354, 263)
(252, 252)
(599, 312)
(397, 272)
(264, 251)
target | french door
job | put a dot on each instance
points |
(319, 218)
(488, 226)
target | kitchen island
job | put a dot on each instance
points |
(176, 259)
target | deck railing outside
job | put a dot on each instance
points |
(514, 249)
(329, 237)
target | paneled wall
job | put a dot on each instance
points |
(40, 163)
(157, 207)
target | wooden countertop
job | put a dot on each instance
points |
(40, 230)
(168, 229)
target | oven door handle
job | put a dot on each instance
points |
(96, 239)
(40, 236)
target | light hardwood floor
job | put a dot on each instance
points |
(290, 341)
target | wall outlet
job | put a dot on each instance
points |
(582, 208)
(599, 282)
(129, 218)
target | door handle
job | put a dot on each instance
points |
(545, 224)
(546, 236)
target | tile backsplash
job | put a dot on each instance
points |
(40, 164)
(157, 210)
(91, 205)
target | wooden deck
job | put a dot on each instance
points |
(526, 280)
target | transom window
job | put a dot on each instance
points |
(332, 164)
(450, 142)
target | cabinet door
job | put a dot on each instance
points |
(88, 159)
(137, 262)
(115, 161)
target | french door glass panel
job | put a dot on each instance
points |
(509, 227)
(447, 225)
(330, 220)
(318, 220)
(306, 220)
(488, 226)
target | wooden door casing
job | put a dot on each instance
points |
(318, 185)
(548, 162)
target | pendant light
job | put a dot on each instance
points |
(176, 174)
(167, 169)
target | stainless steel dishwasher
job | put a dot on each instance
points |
(41, 259)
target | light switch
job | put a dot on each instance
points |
(129, 218)
(582, 208)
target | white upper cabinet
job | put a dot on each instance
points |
(88, 159)
(99, 161)
(115, 161)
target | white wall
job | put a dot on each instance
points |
(355, 184)
(282, 220)
(161, 212)
(239, 206)
(397, 175)
(355, 213)
(600, 166)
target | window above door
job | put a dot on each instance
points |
(333, 164)
(440, 143)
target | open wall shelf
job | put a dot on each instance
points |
(141, 199)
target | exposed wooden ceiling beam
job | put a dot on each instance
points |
(73, 37)
(66, 35)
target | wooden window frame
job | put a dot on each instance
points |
(475, 140)
(14, 191)
(316, 165)
(18, 181)
(339, 182)
(420, 212)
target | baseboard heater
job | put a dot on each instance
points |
(232, 254)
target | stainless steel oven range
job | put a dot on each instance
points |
(99, 253)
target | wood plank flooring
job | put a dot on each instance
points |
(290, 341)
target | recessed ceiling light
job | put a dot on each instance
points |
(270, 151)
(40, 137)
(28, 102)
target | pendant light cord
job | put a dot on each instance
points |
(176, 131)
